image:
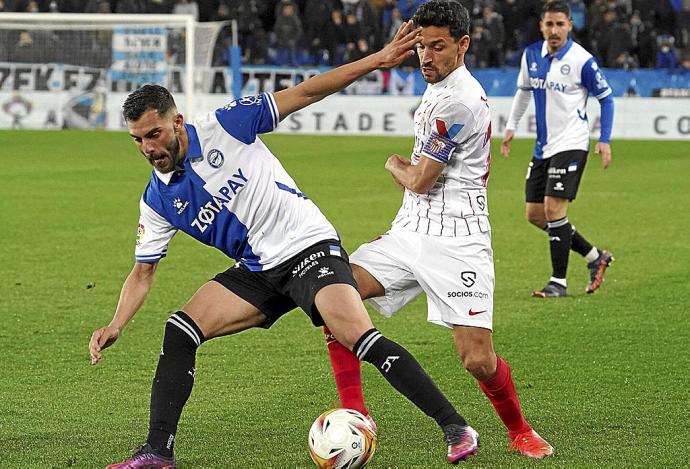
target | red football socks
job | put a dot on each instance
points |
(348, 374)
(500, 390)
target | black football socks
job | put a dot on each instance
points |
(405, 374)
(579, 244)
(560, 236)
(173, 381)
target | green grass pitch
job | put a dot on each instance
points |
(603, 377)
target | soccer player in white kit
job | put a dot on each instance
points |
(215, 180)
(560, 75)
(440, 240)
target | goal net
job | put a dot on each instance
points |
(75, 70)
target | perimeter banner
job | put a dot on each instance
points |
(635, 118)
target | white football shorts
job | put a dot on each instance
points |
(456, 273)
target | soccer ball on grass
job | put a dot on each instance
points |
(342, 439)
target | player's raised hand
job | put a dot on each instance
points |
(400, 48)
(100, 339)
(603, 150)
(505, 144)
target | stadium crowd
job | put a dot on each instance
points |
(624, 34)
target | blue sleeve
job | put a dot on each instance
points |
(247, 117)
(606, 119)
(593, 79)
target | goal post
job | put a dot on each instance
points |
(110, 54)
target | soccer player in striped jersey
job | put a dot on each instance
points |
(215, 180)
(561, 75)
(440, 240)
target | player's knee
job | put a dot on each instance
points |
(349, 336)
(537, 219)
(479, 365)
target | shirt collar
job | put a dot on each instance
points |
(193, 152)
(559, 55)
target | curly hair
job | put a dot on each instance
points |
(441, 13)
(147, 97)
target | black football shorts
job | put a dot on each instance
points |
(293, 283)
(558, 176)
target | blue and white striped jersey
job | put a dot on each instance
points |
(560, 84)
(233, 193)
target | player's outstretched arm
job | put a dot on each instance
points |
(134, 291)
(324, 84)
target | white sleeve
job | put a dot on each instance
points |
(450, 124)
(523, 76)
(153, 235)
(517, 110)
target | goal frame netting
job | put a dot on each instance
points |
(90, 21)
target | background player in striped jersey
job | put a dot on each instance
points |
(440, 240)
(215, 180)
(561, 74)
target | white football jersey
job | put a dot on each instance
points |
(560, 84)
(452, 125)
(233, 193)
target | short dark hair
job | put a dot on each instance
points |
(147, 97)
(556, 6)
(444, 13)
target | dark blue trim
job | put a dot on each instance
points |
(606, 119)
(564, 50)
(194, 147)
(291, 190)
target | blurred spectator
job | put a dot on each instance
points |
(356, 44)
(625, 61)
(394, 23)
(206, 9)
(335, 38)
(666, 56)
(287, 31)
(253, 37)
(366, 19)
(493, 23)
(131, 6)
(622, 32)
(480, 44)
(186, 7)
(614, 40)
(510, 10)
(317, 17)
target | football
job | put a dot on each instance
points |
(342, 438)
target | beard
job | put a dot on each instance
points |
(170, 160)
